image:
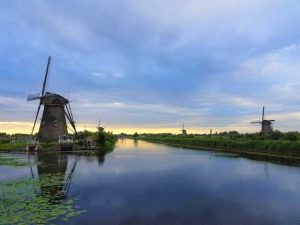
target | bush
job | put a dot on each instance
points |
(291, 136)
(276, 135)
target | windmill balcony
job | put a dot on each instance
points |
(65, 139)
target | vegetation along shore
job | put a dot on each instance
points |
(101, 141)
(278, 144)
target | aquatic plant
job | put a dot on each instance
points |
(35, 201)
(15, 161)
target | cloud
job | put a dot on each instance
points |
(109, 73)
(205, 63)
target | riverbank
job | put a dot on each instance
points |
(109, 144)
(275, 148)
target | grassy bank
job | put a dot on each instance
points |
(6, 146)
(263, 146)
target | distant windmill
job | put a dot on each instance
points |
(266, 125)
(183, 131)
(100, 129)
(56, 110)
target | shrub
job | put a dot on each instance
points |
(291, 136)
(276, 135)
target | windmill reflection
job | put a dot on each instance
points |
(54, 172)
(101, 158)
(135, 143)
(55, 176)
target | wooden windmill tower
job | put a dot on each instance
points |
(183, 131)
(266, 125)
(56, 110)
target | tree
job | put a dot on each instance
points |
(101, 138)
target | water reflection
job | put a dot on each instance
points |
(135, 143)
(101, 157)
(55, 164)
(143, 183)
(163, 185)
(63, 166)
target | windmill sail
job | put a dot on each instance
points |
(36, 116)
(46, 76)
(32, 97)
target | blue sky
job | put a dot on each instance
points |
(153, 65)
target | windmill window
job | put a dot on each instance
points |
(55, 123)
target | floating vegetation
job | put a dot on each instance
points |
(14, 161)
(36, 201)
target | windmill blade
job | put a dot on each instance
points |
(255, 122)
(32, 97)
(67, 184)
(46, 75)
(69, 116)
(263, 113)
(36, 116)
(99, 123)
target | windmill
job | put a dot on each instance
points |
(266, 125)
(183, 131)
(100, 129)
(56, 110)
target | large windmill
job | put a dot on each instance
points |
(56, 110)
(266, 125)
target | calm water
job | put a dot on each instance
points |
(142, 183)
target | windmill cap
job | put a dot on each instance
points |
(54, 99)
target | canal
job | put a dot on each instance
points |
(141, 183)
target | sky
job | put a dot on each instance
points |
(151, 65)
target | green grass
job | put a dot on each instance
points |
(12, 147)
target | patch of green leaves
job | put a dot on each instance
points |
(14, 161)
(36, 201)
